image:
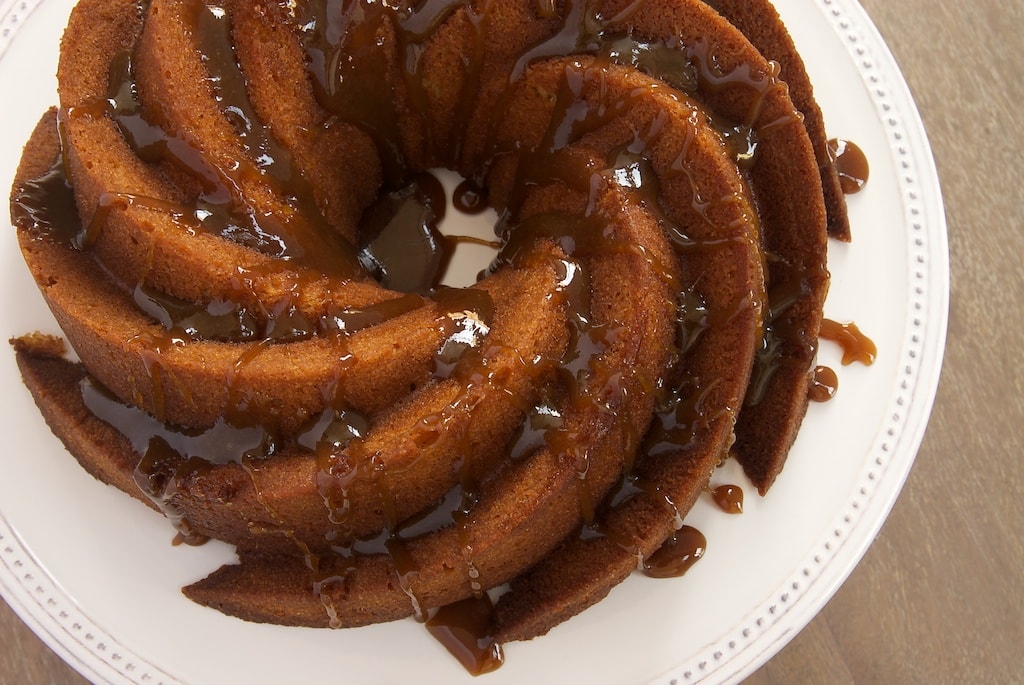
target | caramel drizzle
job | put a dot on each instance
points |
(588, 343)
(300, 236)
(169, 457)
(578, 238)
(346, 63)
(585, 31)
(46, 205)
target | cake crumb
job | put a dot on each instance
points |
(40, 345)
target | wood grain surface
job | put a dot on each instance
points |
(939, 596)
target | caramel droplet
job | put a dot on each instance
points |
(824, 384)
(469, 198)
(729, 498)
(675, 557)
(851, 163)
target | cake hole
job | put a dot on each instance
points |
(469, 257)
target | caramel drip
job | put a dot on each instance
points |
(632, 486)
(406, 570)
(851, 163)
(45, 206)
(856, 346)
(227, 322)
(586, 382)
(729, 498)
(463, 629)
(824, 384)
(213, 321)
(326, 583)
(579, 33)
(169, 457)
(340, 463)
(352, 320)
(677, 555)
(343, 463)
(463, 357)
(660, 59)
(469, 198)
(351, 73)
(783, 344)
(211, 26)
(679, 417)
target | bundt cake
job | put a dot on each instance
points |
(204, 213)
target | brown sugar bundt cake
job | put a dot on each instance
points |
(196, 214)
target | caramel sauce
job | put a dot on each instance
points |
(327, 582)
(352, 320)
(352, 74)
(302, 236)
(824, 384)
(677, 555)
(168, 456)
(463, 630)
(469, 198)
(659, 59)
(403, 248)
(729, 498)
(464, 329)
(856, 346)
(46, 205)
(851, 163)
(782, 343)
(213, 321)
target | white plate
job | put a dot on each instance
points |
(94, 574)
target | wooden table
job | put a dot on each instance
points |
(939, 597)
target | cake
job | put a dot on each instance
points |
(196, 213)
